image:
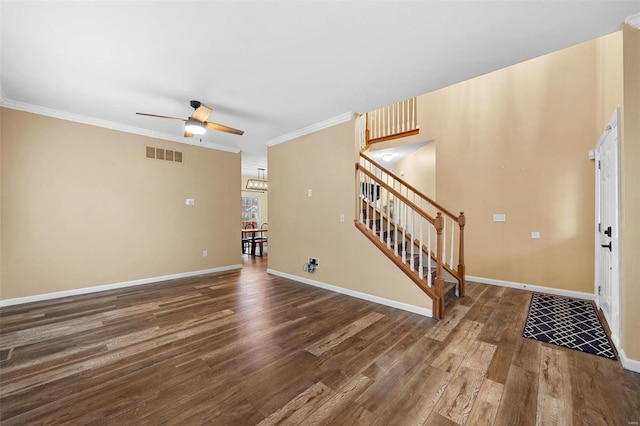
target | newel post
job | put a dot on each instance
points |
(438, 308)
(462, 220)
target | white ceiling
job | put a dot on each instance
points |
(269, 68)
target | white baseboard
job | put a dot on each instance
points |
(529, 287)
(629, 363)
(364, 296)
(95, 289)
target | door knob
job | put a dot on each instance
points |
(606, 245)
(607, 232)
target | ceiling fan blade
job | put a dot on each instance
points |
(161, 116)
(202, 113)
(187, 134)
(220, 127)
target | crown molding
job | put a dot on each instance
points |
(633, 20)
(77, 118)
(334, 121)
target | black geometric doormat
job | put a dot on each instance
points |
(573, 324)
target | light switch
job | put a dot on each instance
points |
(499, 217)
(342, 217)
(309, 192)
(535, 234)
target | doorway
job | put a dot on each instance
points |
(607, 231)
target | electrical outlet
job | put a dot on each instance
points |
(309, 192)
(205, 253)
(342, 217)
(535, 235)
(190, 202)
(314, 261)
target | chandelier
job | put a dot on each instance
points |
(259, 184)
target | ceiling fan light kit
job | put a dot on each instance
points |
(195, 127)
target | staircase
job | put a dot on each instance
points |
(425, 240)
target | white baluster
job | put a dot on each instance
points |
(404, 113)
(366, 188)
(395, 228)
(421, 269)
(429, 283)
(404, 232)
(388, 221)
(413, 113)
(395, 119)
(413, 235)
(453, 228)
(380, 211)
(360, 202)
(372, 124)
(444, 241)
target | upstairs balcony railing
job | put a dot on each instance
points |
(394, 121)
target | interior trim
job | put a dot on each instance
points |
(97, 288)
(330, 122)
(633, 20)
(530, 287)
(77, 118)
(359, 295)
(629, 363)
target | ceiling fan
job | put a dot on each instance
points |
(197, 124)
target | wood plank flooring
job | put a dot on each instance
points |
(244, 348)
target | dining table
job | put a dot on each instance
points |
(255, 234)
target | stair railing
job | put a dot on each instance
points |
(390, 122)
(410, 214)
(402, 231)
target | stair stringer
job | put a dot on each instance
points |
(435, 292)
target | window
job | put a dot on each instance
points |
(251, 209)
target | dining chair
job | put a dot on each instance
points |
(247, 238)
(262, 238)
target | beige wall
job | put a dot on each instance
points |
(264, 199)
(419, 169)
(609, 83)
(515, 142)
(82, 206)
(630, 180)
(302, 226)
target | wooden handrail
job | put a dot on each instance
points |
(412, 188)
(392, 137)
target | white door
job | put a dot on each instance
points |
(607, 274)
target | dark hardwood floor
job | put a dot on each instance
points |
(243, 347)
